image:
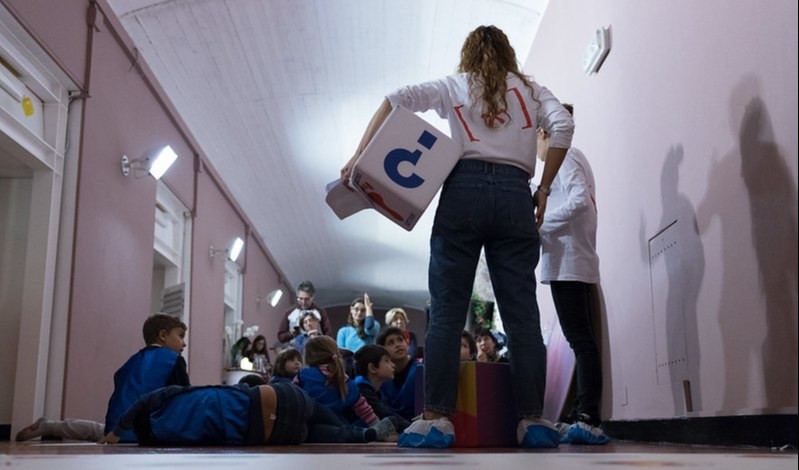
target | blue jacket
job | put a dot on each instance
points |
(150, 368)
(400, 393)
(204, 415)
(313, 381)
(347, 336)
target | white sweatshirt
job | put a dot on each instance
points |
(568, 235)
(513, 141)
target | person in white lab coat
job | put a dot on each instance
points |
(570, 265)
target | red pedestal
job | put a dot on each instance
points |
(485, 411)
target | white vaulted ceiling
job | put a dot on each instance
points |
(278, 93)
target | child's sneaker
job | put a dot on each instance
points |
(384, 428)
(584, 433)
(430, 433)
(537, 433)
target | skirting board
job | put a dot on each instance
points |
(760, 431)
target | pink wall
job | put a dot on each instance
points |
(215, 224)
(60, 28)
(126, 113)
(114, 228)
(261, 279)
(692, 117)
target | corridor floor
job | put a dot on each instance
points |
(616, 455)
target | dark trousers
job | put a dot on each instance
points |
(575, 306)
(484, 205)
(300, 419)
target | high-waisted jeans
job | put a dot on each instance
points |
(484, 205)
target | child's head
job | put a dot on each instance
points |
(374, 359)
(468, 347)
(393, 339)
(165, 330)
(486, 341)
(252, 380)
(288, 363)
(323, 351)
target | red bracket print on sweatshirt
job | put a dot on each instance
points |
(528, 123)
(378, 199)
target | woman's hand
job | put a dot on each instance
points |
(367, 302)
(346, 171)
(540, 204)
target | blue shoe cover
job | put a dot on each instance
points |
(563, 430)
(434, 439)
(582, 433)
(539, 436)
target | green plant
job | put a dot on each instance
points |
(479, 311)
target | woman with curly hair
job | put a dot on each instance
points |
(494, 111)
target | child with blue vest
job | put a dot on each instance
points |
(326, 382)
(157, 365)
(374, 367)
(230, 415)
(399, 393)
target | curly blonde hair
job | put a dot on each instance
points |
(488, 57)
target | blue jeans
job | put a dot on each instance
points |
(575, 305)
(486, 205)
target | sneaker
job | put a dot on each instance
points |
(429, 433)
(28, 433)
(584, 433)
(384, 428)
(537, 433)
(563, 430)
(587, 419)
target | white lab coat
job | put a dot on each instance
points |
(568, 235)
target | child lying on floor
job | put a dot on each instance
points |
(276, 414)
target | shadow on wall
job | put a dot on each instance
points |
(677, 269)
(602, 336)
(772, 199)
(772, 205)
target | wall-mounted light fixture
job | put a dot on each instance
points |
(156, 163)
(271, 298)
(232, 252)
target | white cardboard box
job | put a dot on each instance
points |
(401, 169)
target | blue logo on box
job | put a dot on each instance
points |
(395, 157)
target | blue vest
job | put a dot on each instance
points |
(145, 371)
(312, 380)
(402, 398)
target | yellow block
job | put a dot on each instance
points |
(27, 106)
(467, 389)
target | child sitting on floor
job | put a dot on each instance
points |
(157, 365)
(287, 364)
(374, 367)
(326, 382)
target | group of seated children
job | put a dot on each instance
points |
(153, 403)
